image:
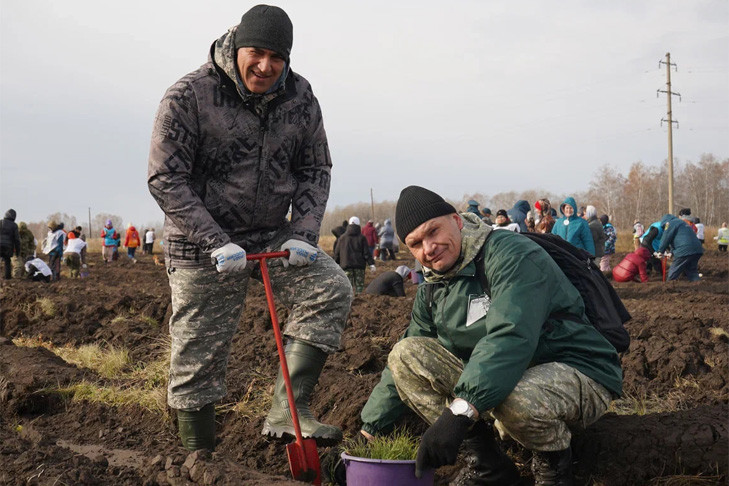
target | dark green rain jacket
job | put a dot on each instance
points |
(526, 286)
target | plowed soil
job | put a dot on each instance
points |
(671, 426)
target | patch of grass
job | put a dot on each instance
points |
(685, 480)
(118, 320)
(115, 396)
(400, 446)
(46, 306)
(109, 363)
(257, 398)
(641, 404)
(144, 385)
(151, 321)
(719, 332)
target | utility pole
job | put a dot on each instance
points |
(670, 122)
(372, 205)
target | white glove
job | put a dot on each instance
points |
(300, 253)
(658, 254)
(373, 268)
(229, 258)
(83, 266)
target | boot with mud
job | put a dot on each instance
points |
(486, 463)
(305, 363)
(552, 468)
(197, 428)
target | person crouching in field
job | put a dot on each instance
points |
(75, 254)
(471, 358)
(634, 264)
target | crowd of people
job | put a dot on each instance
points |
(18, 249)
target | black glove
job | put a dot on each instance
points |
(440, 443)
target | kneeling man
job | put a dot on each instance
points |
(496, 336)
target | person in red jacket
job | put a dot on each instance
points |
(370, 232)
(634, 263)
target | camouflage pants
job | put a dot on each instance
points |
(207, 306)
(549, 400)
(356, 277)
(73, 261)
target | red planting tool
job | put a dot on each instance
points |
(302, 454)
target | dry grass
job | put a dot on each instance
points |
(719, 332)
(257, 399)
(641, 404)
(326, 243)
(685, 480)
(144, 384)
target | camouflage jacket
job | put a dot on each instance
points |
(515, 332)
(226, 165)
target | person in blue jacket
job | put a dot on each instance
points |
(654, 232)
(473, 207)
(518, 214)
(685, 247)
(572, 228)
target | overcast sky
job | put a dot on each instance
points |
(458, 96)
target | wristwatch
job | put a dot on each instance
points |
(459, 406)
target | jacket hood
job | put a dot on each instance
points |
(10, 214)
(667, 218)
(571, 201)
(132, 228)
(223, 55)
(353, 230)
(523, 206)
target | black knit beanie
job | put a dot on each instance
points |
(267, 27)
(416, 206)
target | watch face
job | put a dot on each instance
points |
(461, 408)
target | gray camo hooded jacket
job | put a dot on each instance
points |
(225, 164)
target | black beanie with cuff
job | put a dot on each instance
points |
(417, 205)
(267, 27)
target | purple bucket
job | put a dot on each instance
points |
(378, 472)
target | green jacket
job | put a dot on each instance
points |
(526, 286)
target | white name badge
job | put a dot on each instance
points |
(478, 306)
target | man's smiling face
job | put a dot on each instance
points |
(259, 68)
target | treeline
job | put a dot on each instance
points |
(640, 194)
(40, 228)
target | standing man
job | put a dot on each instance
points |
(9, 241)
(237, 143)
(352, 253)
(497, 334)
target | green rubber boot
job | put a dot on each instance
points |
(305, 363)
(197, 429)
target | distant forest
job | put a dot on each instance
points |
(640, 194)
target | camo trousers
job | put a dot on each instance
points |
(548, 401)
(207, 306)
(356, 278)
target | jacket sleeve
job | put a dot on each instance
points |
(668, 236)
(171, 161)
(513, 328)
(384, 407)
(586, 236)
(312, 171)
